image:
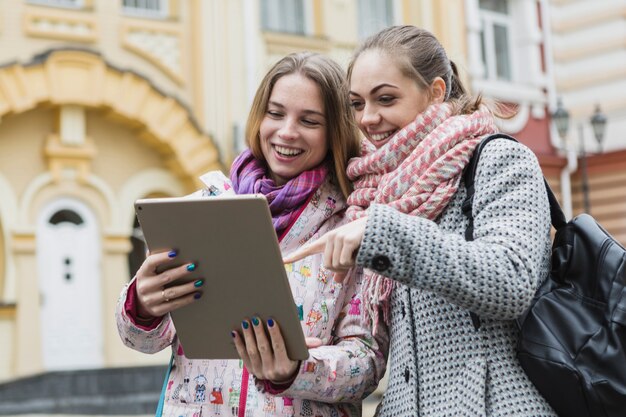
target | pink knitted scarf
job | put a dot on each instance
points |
(416, 172)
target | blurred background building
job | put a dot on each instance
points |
(103, 102)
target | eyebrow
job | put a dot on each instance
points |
(375, 89)
(305, 111)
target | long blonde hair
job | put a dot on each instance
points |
(341, 133)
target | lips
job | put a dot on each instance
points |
(286, 151)
(377, 137)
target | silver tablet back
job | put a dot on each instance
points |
(234, 245)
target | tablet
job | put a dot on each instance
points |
(233, 243)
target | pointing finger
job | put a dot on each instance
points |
(308, 250)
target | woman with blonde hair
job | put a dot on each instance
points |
(300, 134)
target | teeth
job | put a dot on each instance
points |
(380, 136)
(287, 151)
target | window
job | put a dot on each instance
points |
(70, 4)
(495, 39)
(283, 16)
(374, 15)
(146, 8)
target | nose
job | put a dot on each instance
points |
(370, 116)
(288, 131)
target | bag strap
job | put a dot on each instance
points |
(159, 410)
(556, 213)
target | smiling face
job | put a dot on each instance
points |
(293, 130)
(383, 98)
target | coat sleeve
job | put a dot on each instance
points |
(142, 339)
(497, 274)
(350, 367)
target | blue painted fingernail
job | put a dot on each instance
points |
(255, 321)
(191, 267)
(172, 254)
(270, 322)
(245, 324)
(199, 283)
(197, 295)
(233, 334)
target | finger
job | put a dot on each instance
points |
(175, 291)
(152, 263)
(328, 254)
(240, 345)
(313, 342)
(337, 248)
(278, 342)
(175, 274)
(263, 344)
(251, 349)
(307, 250)
(168, 306)
(284, 368)
(347, 254)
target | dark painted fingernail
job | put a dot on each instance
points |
(199, 283)
(245, 324)
(233, 334)
(255, 321)
(172, 254)
(270, 322)
(191, 267)
(197, 295)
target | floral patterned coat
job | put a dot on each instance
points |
(330, 383)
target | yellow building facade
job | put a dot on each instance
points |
(103, 102)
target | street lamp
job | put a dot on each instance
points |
(561, 120)
(598, 124)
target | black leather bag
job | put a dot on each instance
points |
(572, 340)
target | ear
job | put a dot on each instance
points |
(438, 90)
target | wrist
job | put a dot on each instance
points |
(289, 380)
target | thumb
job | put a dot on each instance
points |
(340, 277)
(313, 342)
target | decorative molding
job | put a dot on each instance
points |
(7, 311)
(79, 77)
(72, 125)
(282, 43)
(592, 17)
(66, 25)
(113, 244)
(24, 242)
(158, 42)
(607, 75)
(597, 47)
(69, 159)
(509, 92)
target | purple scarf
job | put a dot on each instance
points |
(249, 176)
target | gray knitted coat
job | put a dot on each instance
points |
(440, 365)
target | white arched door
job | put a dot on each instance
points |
(68, 255)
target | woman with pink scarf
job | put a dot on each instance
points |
(450, 302)
(300, 134)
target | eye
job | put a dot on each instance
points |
(356, 104)
(310, 122)
(386, 99)
(274, 114)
